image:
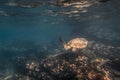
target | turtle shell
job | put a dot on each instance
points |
(77, 43)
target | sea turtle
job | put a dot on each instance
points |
(74, 44)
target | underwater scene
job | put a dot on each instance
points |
(59, 40)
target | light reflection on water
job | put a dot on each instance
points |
(87, 18)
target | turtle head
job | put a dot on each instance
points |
(66, 46)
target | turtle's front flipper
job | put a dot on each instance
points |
(64, 44)
(61, 41)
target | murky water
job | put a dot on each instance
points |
(32, 28)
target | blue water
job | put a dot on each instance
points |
(37, 28)
(44, 24)
(39, 25)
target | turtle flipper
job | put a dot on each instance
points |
(61, 40)
(64, 44)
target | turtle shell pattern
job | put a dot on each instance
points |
(77, 43)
